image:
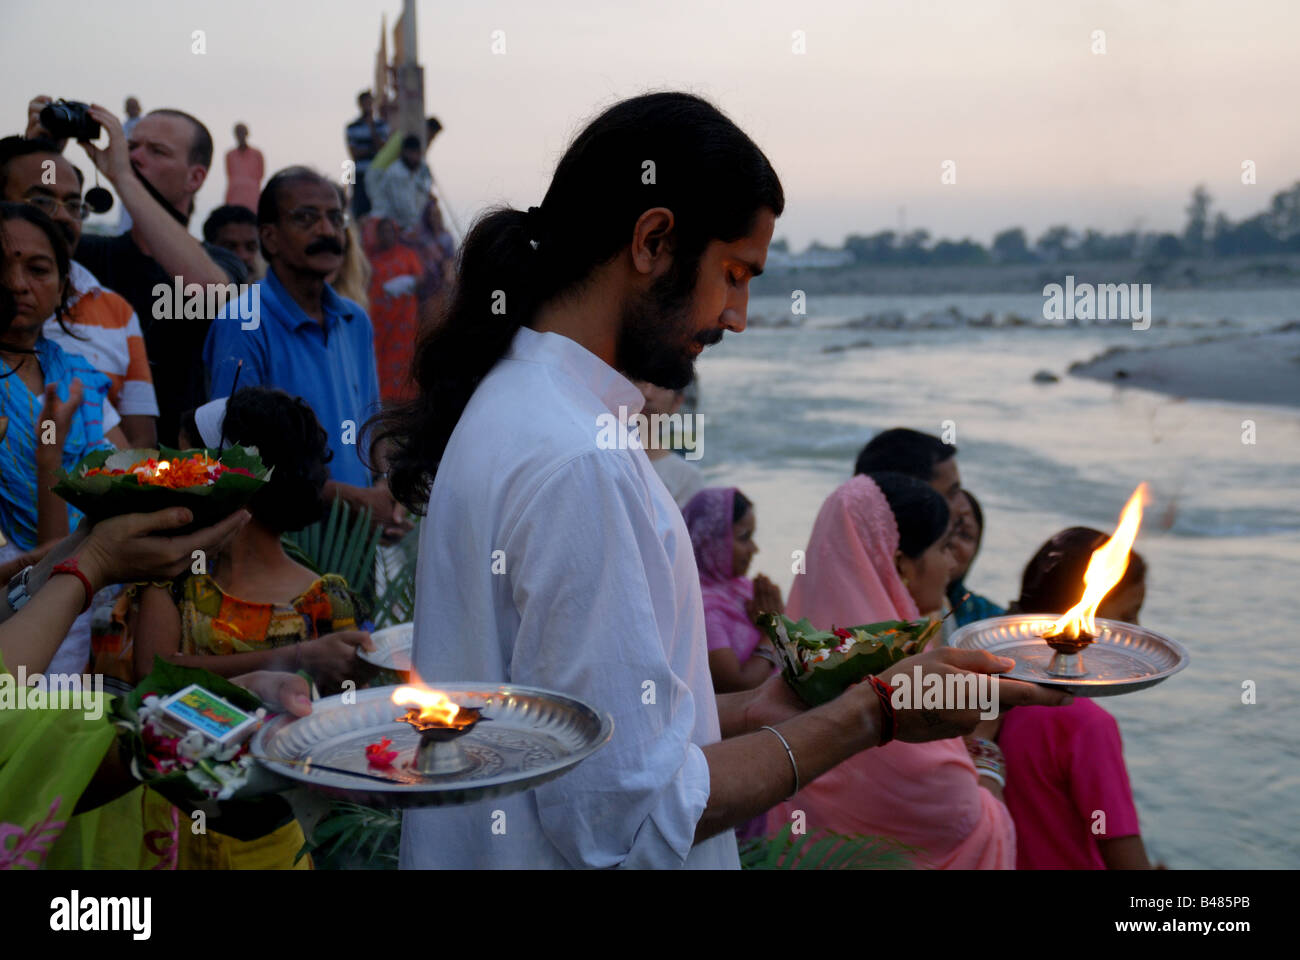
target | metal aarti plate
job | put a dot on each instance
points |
(529, 736)
(1122, 659)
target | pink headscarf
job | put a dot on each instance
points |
(851, 578)
(923, 794)
(708, 517)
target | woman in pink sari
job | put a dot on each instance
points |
(721, 523)
(879, 552)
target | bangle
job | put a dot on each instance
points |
(994, 775)
(69, 566)
(888, 721)
(18, 594)
(789, 753)
(983, 751)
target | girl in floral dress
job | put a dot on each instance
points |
(253, 607)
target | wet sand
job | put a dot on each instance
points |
(1254, 368)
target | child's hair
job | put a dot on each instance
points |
(739, 505)
(1053, 579)
(289, 438)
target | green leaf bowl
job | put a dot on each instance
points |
(101, 496)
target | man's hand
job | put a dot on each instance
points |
(34, 129)
(386, 513)
(921, 725)
(134, 547)
(770, 703)
(114, 160)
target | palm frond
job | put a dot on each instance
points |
(397, 603)
(343, 543)
(354, 836)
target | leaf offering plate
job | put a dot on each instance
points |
(821, 664)
(212, 484)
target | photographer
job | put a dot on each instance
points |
(156, 173)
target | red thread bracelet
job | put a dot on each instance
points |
(888, 721)
(69, 566)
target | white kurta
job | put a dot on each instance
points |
(600, 594)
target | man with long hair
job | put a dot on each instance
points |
(553, 558)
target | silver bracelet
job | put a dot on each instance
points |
(790, 754)
(17, 595)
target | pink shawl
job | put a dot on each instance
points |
(925, 795)
(727, 624)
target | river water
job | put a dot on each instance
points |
(1215, 780)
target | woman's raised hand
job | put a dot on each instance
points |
(767, 598)
(57, 414)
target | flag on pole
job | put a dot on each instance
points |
(381, 63)
(399, 40)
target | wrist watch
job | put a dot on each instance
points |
(17, 595)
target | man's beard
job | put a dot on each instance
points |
(656, 333)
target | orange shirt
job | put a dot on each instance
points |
(244, 172)
(107, 333)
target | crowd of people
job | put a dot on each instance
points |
(897, 542)
(100, 351)
(623, 569)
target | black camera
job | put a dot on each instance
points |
(69, 119)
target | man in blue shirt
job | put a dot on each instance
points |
(365, 135)
(294, 333)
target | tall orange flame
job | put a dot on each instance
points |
(1105, 569)
(434, 707)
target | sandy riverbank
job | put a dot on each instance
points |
(1254, 368)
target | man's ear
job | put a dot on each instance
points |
(651, 240)
(195, 177)
(266, 233)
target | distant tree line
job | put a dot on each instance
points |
(1275, 230)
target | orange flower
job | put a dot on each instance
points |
(196, 470)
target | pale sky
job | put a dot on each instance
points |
(1041, 129)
